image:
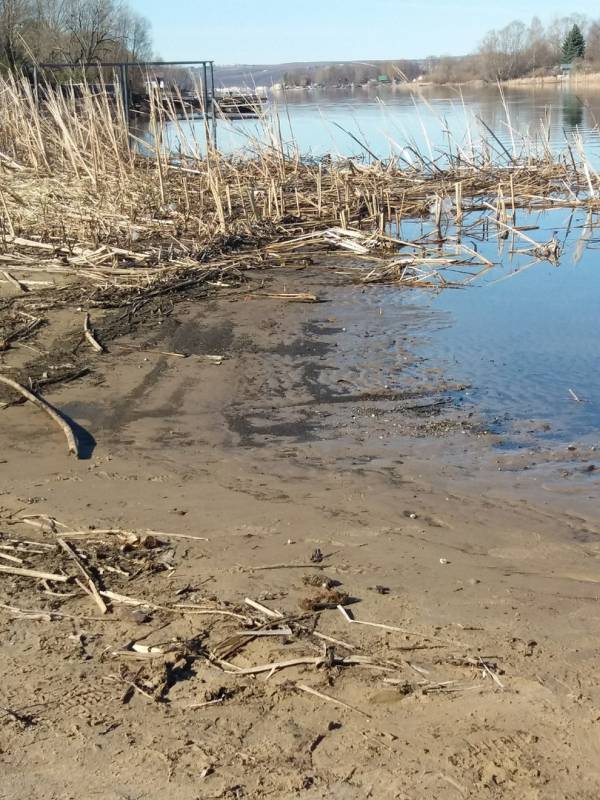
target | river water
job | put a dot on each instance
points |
(525, 335)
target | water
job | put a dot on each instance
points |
(523, 334)
(387, 120)
(526, 332)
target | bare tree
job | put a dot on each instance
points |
(14, 15)
(71, 30)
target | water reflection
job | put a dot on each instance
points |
(572, 111)
(387, 119)
(525, 332)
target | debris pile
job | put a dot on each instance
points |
(91, 579)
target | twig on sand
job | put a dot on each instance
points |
(48, 616)
(33, 573)
(492, 675)
(291, 297)
(284, 566)
(384, 627)
(313, 661)
(50, 410)
(93, 589)
(123, 532)
(263, 609)
(89, 335)
(195, 706)
(333, 700)
(16, 283)
(339, 642)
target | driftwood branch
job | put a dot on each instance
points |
(93, 589)
(49, 409)
(89, 335)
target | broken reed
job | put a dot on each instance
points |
(73, 175)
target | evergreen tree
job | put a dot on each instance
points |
(573, 45)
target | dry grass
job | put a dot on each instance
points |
(80, 196)
(92, 217)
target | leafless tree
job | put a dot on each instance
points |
(71, 30)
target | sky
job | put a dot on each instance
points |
(276, 31)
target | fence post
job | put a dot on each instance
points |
(212, 104)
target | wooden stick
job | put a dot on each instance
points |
(263, 609)
(89, 335)
(17, 284)
(124, 532)
(285, 566)
(348, 618)
(50, 410)
(14, 559)
(26, 613)
(314, 661)
(32, 573)
(92, 586)
(330, 699)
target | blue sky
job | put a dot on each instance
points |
(274, 31)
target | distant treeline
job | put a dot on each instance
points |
(515, 51)
(520, 50)
(71, 31)
(356, 72)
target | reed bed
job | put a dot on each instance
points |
(80, 195)
(91, 216)
(83, 200)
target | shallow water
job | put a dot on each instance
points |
(523, 334)
(526, 332)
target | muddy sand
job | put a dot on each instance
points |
(320, 464)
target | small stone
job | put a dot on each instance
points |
(444, 562)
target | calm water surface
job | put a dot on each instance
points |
(389, 120)
(523, 334)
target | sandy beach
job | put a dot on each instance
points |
(302, 484)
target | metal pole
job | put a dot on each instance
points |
(212, 104)
(205, 101)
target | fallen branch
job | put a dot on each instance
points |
(92, 586)
(89, 334)
(50, 410)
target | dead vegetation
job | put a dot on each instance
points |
(98, 581)
(93, 217)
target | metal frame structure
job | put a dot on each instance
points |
(208, 80)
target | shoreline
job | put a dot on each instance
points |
(273, 455)
(576, 79)
(284, 562)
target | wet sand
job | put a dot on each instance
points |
(322, 429)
